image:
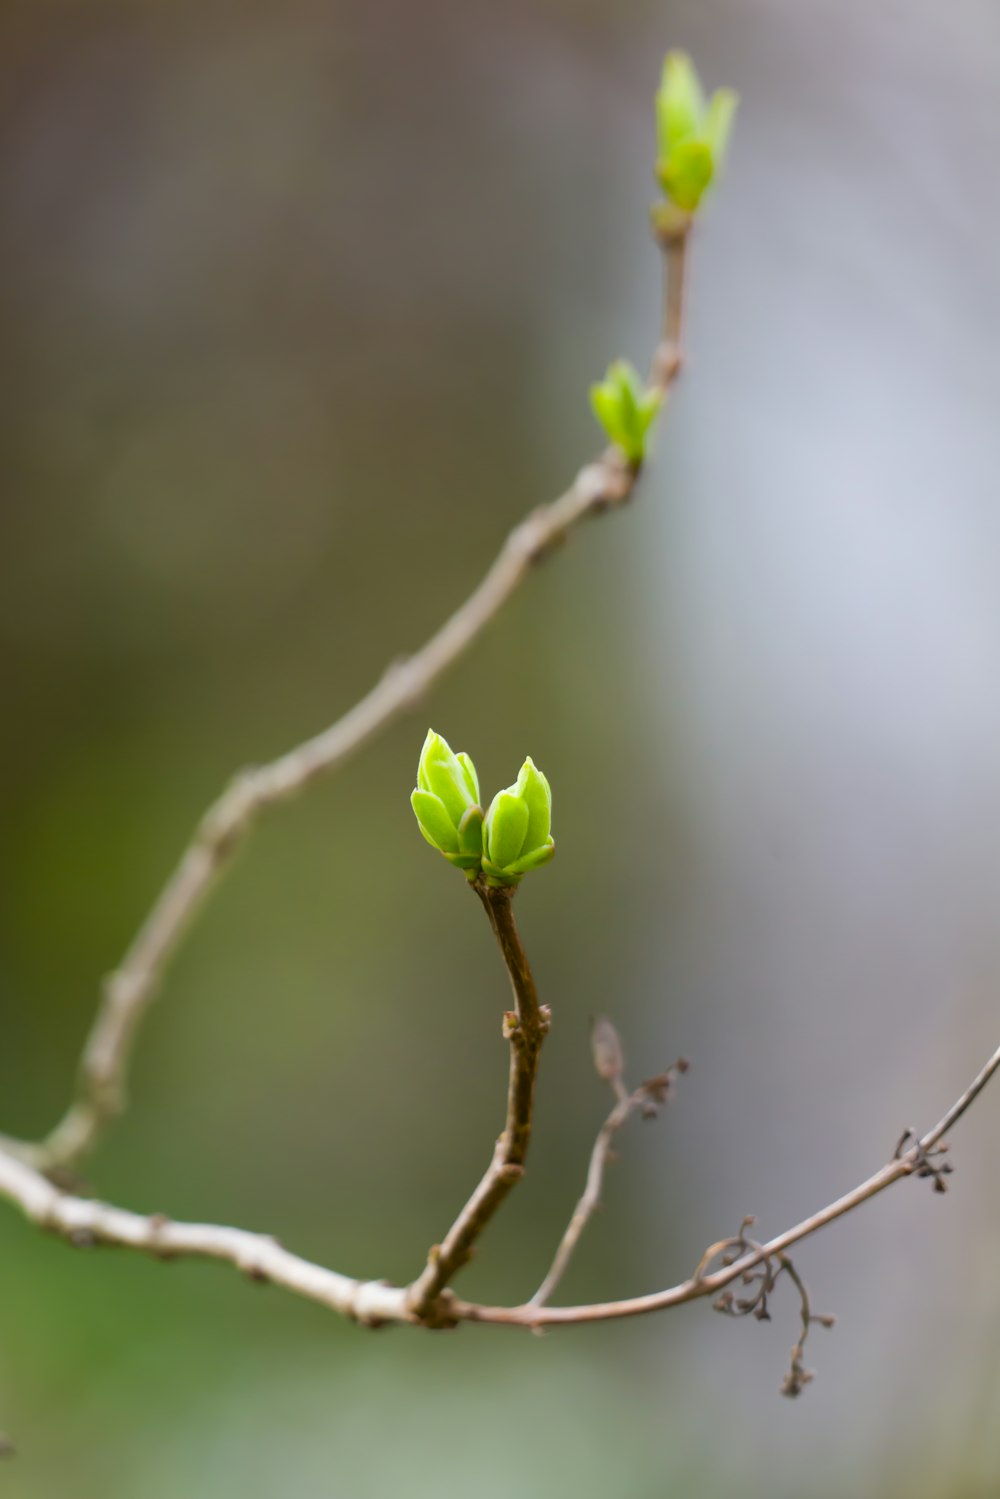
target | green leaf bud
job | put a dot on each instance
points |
(469, 770)
(470, 836)
(441, 772)
(505, 827)
(626, 409)
(680, 103)
(629, 388)
(692, 136)
(435, 824)
(516, 832)
(446, 804)
(686, 173)
(605, 404)
(534, 860)
(535, 792)
(719, 119)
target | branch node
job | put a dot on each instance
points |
(159, 1224)
(925, 1163)
(439, 1314)
(762, 1275)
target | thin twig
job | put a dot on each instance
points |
(100, 1095)
(948, 1121)
(590, 1199)
(798, 1375)
(525, 1027)
(675, 245)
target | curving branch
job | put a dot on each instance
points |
(607, 483)
(85, 1222)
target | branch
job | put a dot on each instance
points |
(605, 484)
(525, 1027)
(86, 1223)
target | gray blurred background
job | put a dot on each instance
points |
(300, 305)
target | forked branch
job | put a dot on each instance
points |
(907, 1162)
(85, 1222)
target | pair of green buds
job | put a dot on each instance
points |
(514, 835)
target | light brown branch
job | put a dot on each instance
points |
(607, 483)
(675, 242)
(84, 1223)
(525, 1027)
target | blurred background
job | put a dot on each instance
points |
(300, 304)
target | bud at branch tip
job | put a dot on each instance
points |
(692, 134)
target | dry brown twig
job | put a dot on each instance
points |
(760, 1281)
(33, 1175)
(646, 1100)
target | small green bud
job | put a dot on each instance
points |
(446, 804)
(719, 119)
(692, 136)
(516, 833)
(680, 103)
(626, 409)
(686, 174)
